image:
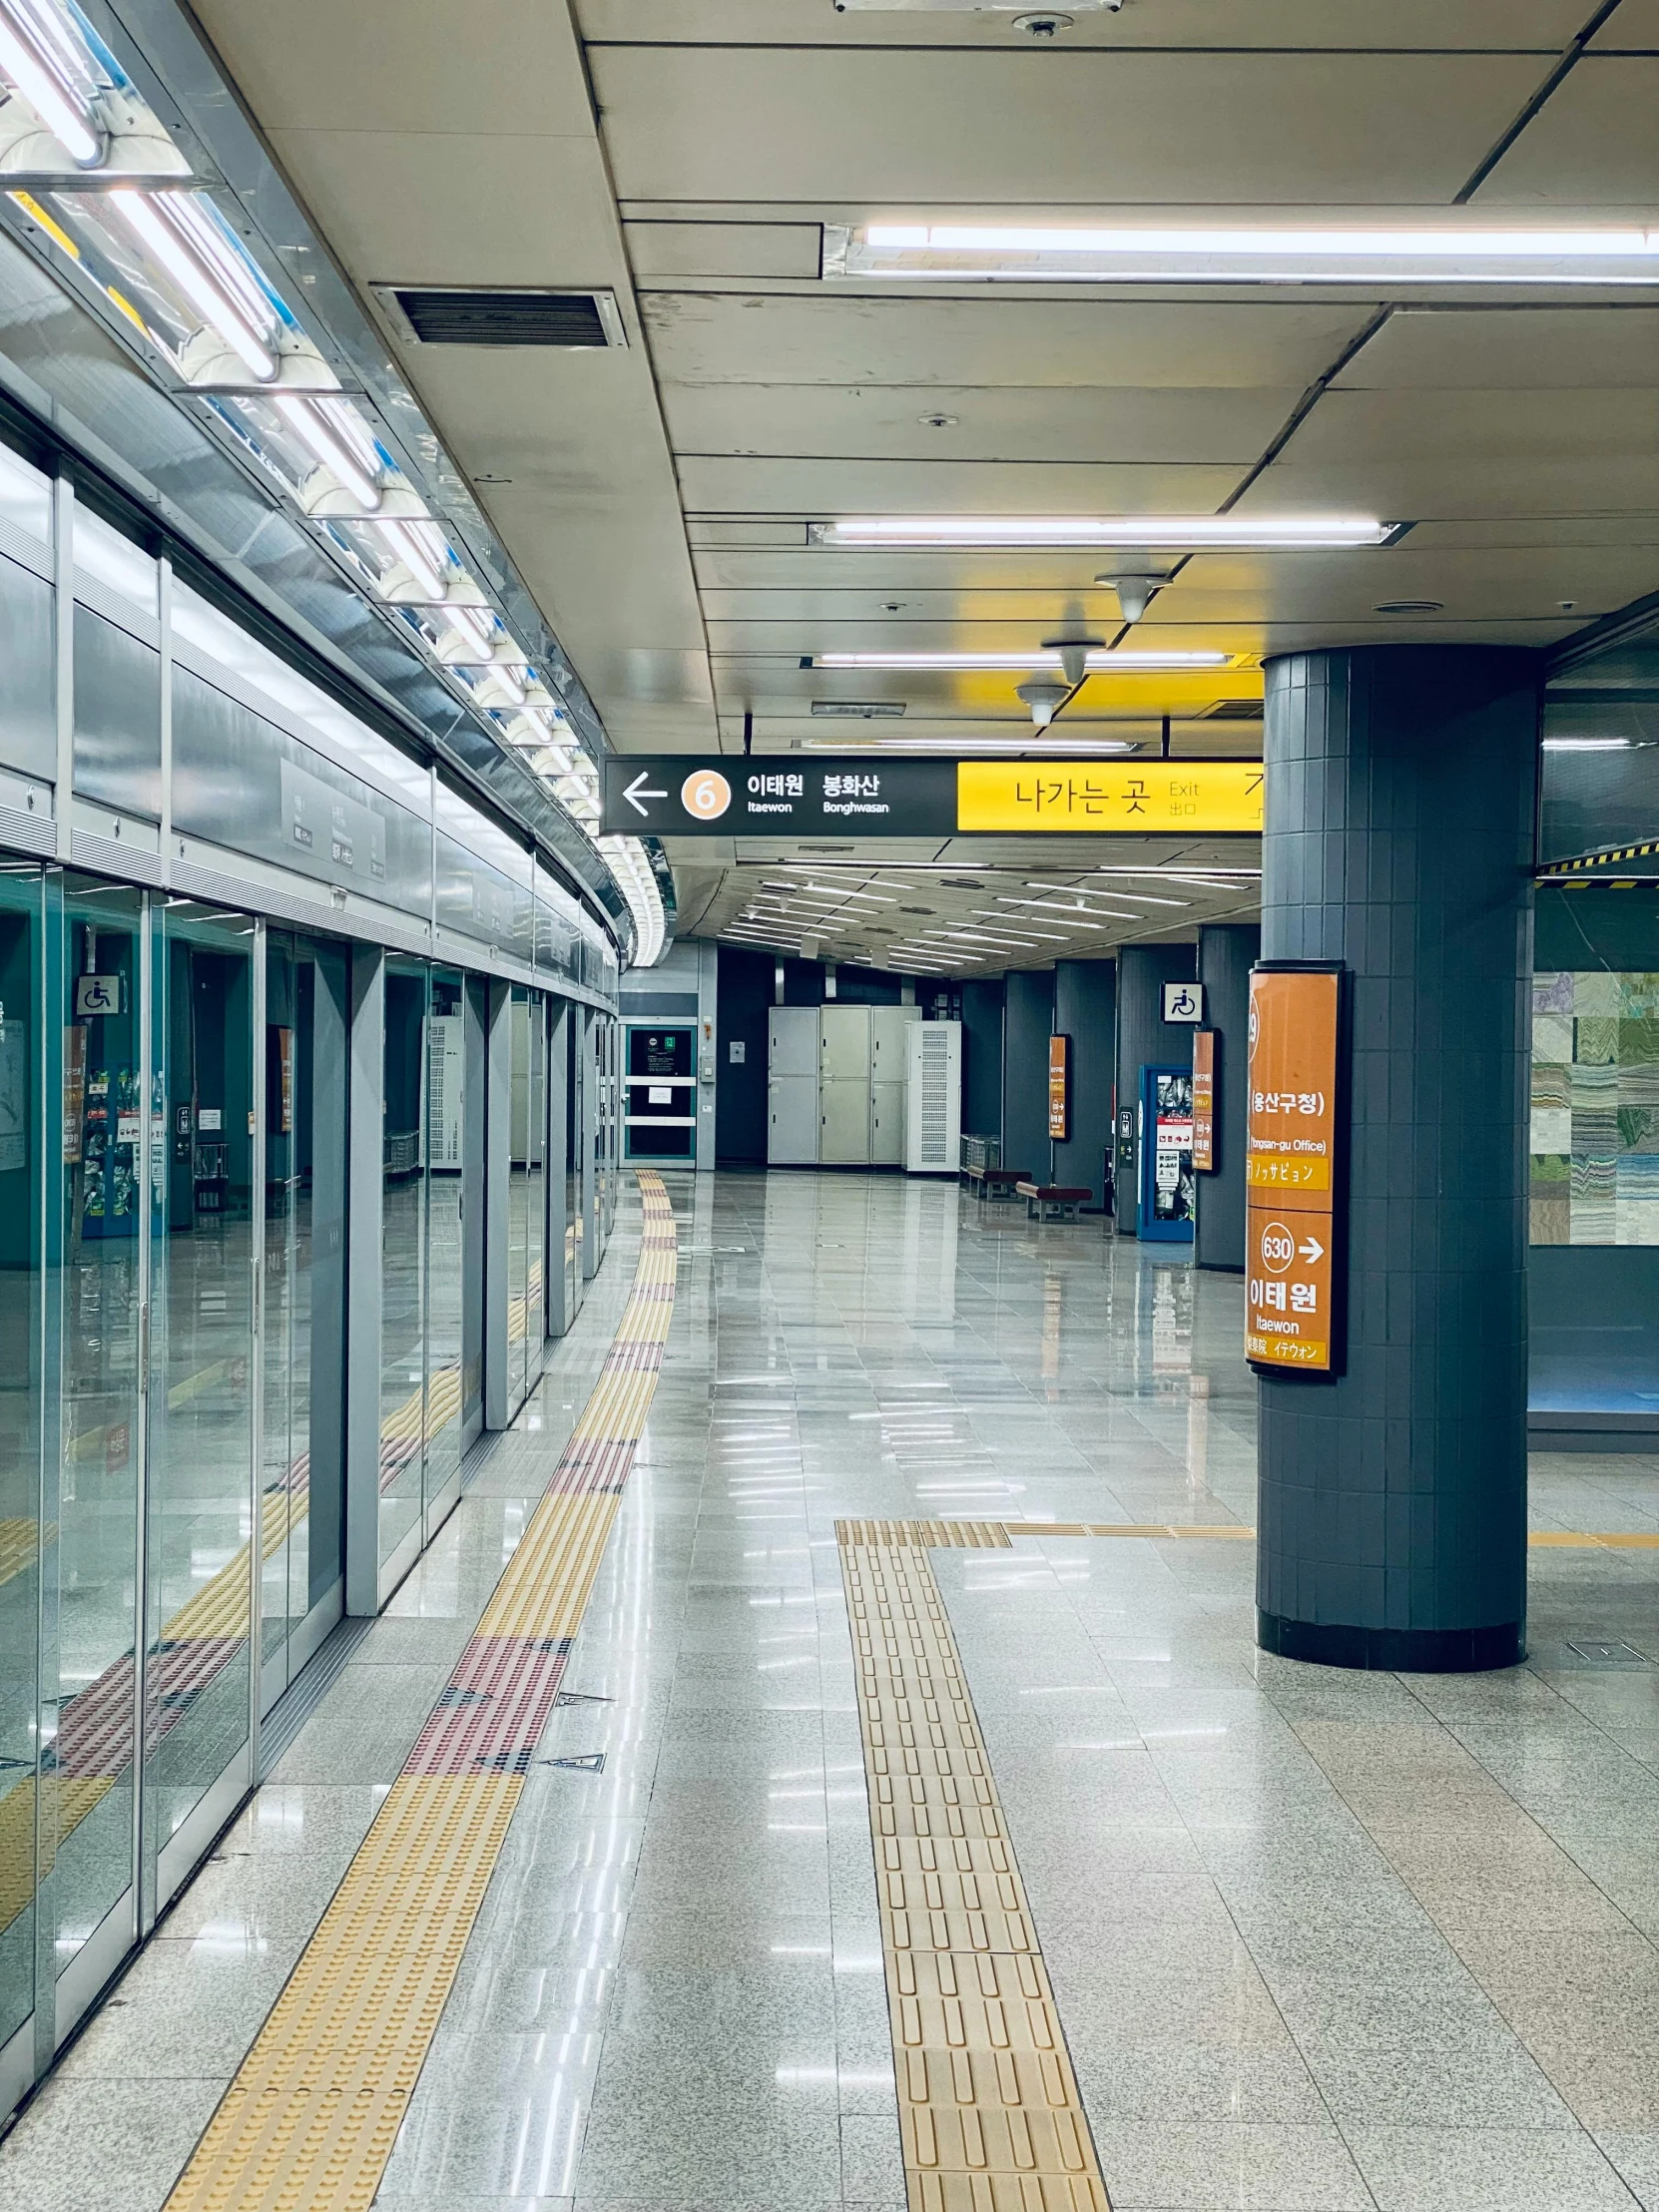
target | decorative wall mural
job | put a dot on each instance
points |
(1595, 1108)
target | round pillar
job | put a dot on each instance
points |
(1398, 839)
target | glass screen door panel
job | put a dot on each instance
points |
(473, 1211)
(446, 1105)
(303, 1316)
(518, 1198)
(535, 1283)
(89, 1697)
(199, 1455)
(22, 1167)
(575, 1122)
(403, 1256)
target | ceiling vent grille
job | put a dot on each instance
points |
(498, 316)
(1235, 710)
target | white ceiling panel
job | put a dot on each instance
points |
(1594, 143)
(402, 65)
(900, 128)
(661, 250)
(828, 338)
(1533, 431)
(805, 487)
(1409, 25)
(1632, 26)
(1008, 424)
(409, 208)
(1510, 349)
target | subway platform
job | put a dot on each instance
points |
(825, 1762)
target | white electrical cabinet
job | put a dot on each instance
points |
(792, 1086)
(933, 1104)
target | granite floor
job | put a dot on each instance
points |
(1319, 1941)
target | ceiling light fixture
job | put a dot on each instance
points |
(141, 217)
(39, 85)
(1446, 252)
(1175, 533)
(304, 420)
(1044, 656)
(1587, 745)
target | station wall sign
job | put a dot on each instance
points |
(1204, 1101)
(819, 795)
(1293, 1172)
(1059, 1089)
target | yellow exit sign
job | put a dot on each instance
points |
(1221, 798)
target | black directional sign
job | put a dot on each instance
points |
(789, 795)
(792, 795)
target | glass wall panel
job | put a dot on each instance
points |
(518, 1199)
(403, 1255)
(88, 1702)
(21, 1169)
(200, 1510)
(303, 1301)
(446, 1109)
(536, 1191)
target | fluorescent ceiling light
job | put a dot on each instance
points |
(411, 551)
(1216, 877)
(1009, 746)
(1058, 907)
(1445, 253)
(192, 278)
(1586, 745)
(308, 426)
(1039, 657)
(828, 891)
(1083, 891)
(1172, 533)
(66, 121)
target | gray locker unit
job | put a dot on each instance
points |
(843, 1086)
(792, 1086)
(889, 1079)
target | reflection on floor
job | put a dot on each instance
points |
(1317, 1941)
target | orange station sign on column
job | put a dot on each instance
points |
(1204, 1101)
(1291, 1170)
(1059, 1089)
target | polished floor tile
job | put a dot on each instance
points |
(1321, 1942)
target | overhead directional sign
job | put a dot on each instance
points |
(869, 795)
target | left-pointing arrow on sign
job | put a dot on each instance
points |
(640, 790)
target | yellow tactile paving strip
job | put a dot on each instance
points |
(989, 2112)
(310, 2119)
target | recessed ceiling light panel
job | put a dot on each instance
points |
(1445, 253)
(1145, 533)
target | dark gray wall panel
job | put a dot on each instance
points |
(1085, 1010)
(1225, 953)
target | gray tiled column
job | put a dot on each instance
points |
(1225, 953)
(1392, 1513)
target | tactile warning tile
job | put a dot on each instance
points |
(310, 2119)
(989, 2111)
(942, 1535)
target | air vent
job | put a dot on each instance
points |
(1235, 710)
(497, 315)
(963, 882)
(1410, 607)
(858, 709)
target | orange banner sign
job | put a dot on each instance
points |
(1291, 1168)
(1204, 1101)
(1059, 1088)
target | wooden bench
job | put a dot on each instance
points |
(995, 1183)
(1053, 1201)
